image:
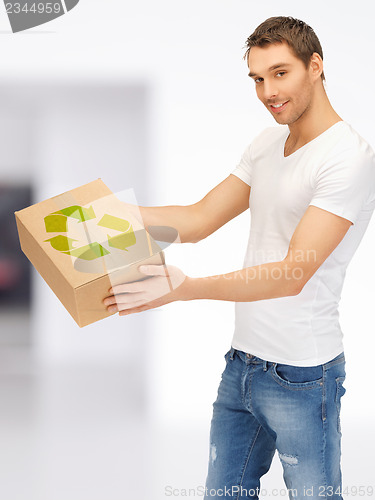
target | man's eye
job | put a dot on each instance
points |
(281, 73)
(258, 80)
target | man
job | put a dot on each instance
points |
(310, 185)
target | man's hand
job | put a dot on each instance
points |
(165, 285)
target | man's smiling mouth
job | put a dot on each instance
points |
(277, 108)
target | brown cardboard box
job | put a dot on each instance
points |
(82, 242)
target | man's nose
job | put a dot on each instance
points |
(269, 89)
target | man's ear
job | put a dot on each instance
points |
(316, 65)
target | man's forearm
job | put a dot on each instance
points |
(265, 281)
(185, 219)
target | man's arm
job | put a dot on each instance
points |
(195, 222)
(316, 236)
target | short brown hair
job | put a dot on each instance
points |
(300, 37)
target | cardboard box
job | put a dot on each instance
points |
(82, 242)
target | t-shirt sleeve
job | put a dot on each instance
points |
(244, 168)
(346, 186)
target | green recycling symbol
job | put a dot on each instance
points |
(57, 222)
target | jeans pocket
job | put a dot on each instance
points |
(298, 377)
(340, 391)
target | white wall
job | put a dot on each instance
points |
(203, 114)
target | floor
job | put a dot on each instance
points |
(83, 433)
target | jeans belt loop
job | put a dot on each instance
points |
(264, 365)
(232, 351)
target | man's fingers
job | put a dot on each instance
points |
(127, 288)
(135, 310)
(125, 306)
(143, 307)
(154, 270)
(132, 305)
(121, 299)
(147, 293)
(173, 275)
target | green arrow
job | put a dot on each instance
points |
(122, 241)
(111, 222)
(77, 212)
(61, 243)
(55, 223)
(89, 252)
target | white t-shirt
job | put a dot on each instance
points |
(335, 172)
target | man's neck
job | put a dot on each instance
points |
(314, 122)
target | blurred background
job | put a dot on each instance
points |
(153, 97)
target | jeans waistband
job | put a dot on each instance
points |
(251, 358)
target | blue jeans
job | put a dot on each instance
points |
(262, 407)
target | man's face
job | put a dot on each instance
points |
(281, 78)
